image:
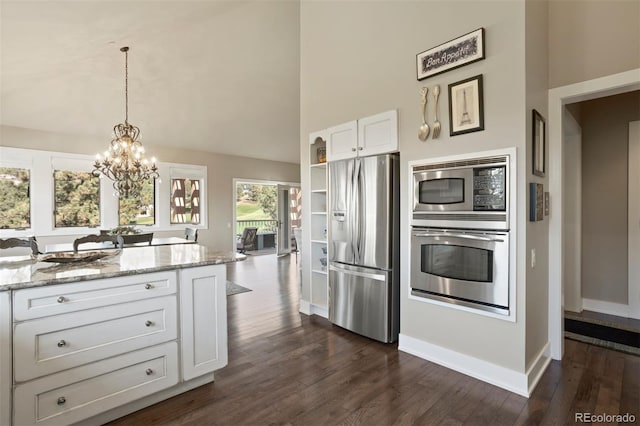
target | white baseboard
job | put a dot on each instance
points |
(305, 307)
(538, 367)
(505, 378)
(320, 311)
(603, 307)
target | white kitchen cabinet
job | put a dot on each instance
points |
(56, 343)
(74, 395)
(318, 224)
(342, 141)
(203, 320)
(376, 134)
(5, 358)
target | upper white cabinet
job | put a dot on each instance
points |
(376, 134)
(342, 141)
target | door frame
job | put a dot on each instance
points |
(591, 89)
(634, 217)
(235, 182)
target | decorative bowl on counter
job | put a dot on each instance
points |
(83, 256)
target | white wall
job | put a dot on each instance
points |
(537, 233)
(221, 169)
(358, 58)
(605, 135)
(590, 39)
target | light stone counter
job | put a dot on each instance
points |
(22, 272)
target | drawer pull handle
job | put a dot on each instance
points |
(61, 299)
(148, 323)
(148, 286)
(62, 343)
(62, 400)
(149, 371)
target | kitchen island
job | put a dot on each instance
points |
(90, 342)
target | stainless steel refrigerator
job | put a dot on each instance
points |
(364, 294)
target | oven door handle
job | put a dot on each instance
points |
(469, 237)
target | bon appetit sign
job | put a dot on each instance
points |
(452, 54)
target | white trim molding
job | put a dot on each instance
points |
(605, 307)
(505, 378)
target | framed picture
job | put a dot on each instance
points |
(452, 54)
(536, 202)
(539, 144)
(466, 109)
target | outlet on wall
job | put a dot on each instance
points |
(533, 258)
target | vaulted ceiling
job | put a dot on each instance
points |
(216, 76)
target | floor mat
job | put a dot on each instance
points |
(603, 335)
(233, 288)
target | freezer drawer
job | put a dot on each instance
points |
(361, 300)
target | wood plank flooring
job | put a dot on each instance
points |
(289, 368)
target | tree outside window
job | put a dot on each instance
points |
(139, 211)
(15, 207)
(77, 199)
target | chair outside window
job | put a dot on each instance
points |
(247, 240)
(19, 242)
(102, 238)
(191, 234)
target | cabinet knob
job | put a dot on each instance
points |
(148, 286)
(62, 400)
(149, 371)
(148, 323)
(62, 343)
(61, 299)
(360, 148)
(353, 149)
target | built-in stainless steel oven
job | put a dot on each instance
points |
(465, 267)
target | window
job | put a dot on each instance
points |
(77, 199)
(15, 207)
(141, 211)
(185, 201)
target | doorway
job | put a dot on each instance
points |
(273, 209)
(558, 99)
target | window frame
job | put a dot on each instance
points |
(41, 166)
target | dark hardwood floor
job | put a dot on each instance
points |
(289, 368)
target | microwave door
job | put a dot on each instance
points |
(443, 190)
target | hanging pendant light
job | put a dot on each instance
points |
(124, 161)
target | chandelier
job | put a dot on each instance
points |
(124, 161)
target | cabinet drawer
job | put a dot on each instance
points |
(86, 391)
(48, 345)
(62, 298)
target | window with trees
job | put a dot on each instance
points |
(139, 211)
(185, 201)
(15, 206)
(77, 199)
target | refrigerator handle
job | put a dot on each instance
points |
(377, 277)
(355, 215)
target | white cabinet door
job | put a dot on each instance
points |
(342, 141)
(80, 393)
(378, 134)
(5, 358)
(203, 315)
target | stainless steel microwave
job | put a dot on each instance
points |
(471, 193)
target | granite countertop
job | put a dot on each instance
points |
(23, 272)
